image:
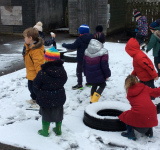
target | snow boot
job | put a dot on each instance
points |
(45, 129)
(35, 106)
(77, 87)
(88, 85)
(130, 133)
(31, 101)
(57, 129)
(149, 133)
(95, 97)
(158, 108)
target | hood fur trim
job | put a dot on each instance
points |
(38, 44)
(157, 34)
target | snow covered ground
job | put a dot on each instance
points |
(19, 126)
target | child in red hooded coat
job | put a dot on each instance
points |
(143, 67)
(143, 114)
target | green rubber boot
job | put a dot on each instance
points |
(57, 129)
(45, 129)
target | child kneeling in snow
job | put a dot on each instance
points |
(143, 114)
(48, 86)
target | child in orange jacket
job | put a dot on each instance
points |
(34, 57)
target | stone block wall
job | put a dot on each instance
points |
(90, 12)
(50, 12)
(28, 16)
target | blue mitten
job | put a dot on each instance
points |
(136, 30)
(64, 44)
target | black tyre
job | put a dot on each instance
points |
(62, 51)
(70, 57)
(105, 119)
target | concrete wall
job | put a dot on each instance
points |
(90, 12)
(108, 13)
(28, 16)
(50, 12)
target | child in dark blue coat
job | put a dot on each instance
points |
(80, 44)
(49, 88)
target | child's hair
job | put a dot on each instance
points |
(130, 81)
(31, 32)
(100, 37)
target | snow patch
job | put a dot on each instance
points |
(96, 107)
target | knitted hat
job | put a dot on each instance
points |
(51, 54)
(153, 25)
(99, 28)
(38, 26)
(158, 21)
(136, 13)
(83, 29)
(100, 37)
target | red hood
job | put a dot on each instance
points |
(135, 90)
(132, 47)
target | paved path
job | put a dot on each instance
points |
(11, 45)
(8, 147)
(11, 49)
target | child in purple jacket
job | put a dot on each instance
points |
(142, 28)
(96, 67)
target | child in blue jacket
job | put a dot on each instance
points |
(81, 43)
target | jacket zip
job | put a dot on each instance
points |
(31, 58)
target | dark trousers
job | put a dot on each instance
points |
(79, 71)
(30, 88)
(140, 38)
(99, 90)
(156, 65)
(150, 84)
(140, 130)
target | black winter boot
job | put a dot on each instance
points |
(149, 133)
(130, 133)
(77, 87)
(88, 85)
